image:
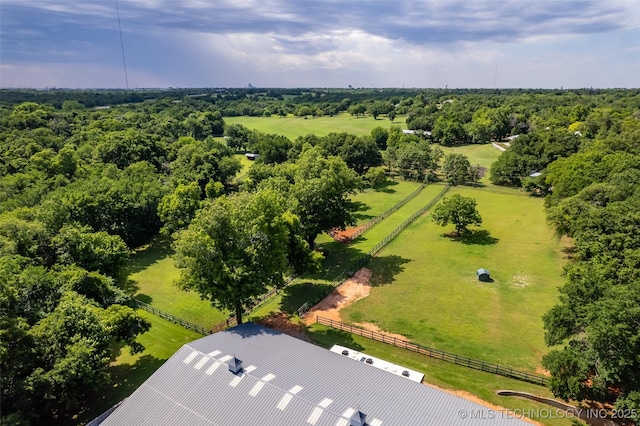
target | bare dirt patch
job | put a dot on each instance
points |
(345, 236)
(520, 281)
(372, 327)
(353, 289)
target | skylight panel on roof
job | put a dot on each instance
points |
(201, 363)
(191, 356)
(211, 369)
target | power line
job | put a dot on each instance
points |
(124, 61)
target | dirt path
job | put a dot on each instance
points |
(345, 236)
(349, 292)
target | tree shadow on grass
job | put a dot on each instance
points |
(327, 337)
(144, 257)
(125, 379)
(129, 286)
(297, 294)
(385, 268)
(338, 257)
(145, 298)
(479, 237)
(386, 187)
(360, 208)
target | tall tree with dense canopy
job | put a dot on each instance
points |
(320, 193)
(457, 210)
(176, 210)
(235, 249)
(457, 169)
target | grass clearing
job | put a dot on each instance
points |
(339, 256)
(434, 298)
(375, 201)
(292, 127)
(130, 371)
(246, 165)
(153, 276)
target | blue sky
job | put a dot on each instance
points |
(320, 43)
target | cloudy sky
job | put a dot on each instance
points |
(320, 43)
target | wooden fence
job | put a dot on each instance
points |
(436, 353)
(186, 324)
(361, 230)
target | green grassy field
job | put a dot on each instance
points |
(246, 164)
(130, 371)
(339, 257)
(434, 298)
(153, 275)
(292, 127)
(375, 201)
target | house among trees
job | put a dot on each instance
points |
(251, 375)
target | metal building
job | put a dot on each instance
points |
(251, 375)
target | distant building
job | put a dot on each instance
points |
(251, 375)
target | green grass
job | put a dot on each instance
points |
(153, 276)
(292, 127)
(373, 202)
(128, 371)
(442, 374)
(339, 257)
(246, 165)
(433, 297)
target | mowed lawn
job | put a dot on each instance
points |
(153, 275)
(246, 165)
(374, 201)
(340, 257)
(435, 299)
(292, 127)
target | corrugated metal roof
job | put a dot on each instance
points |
(285, 381)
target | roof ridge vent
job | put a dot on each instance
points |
(235, 365)
(358, 419)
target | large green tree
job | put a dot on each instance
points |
(457, 169)
(321, 193)
(235, 249)
(458, 210)
(58, 330)
(176, 210)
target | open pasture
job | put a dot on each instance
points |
(152, 275)
(292, 127)
(435, 299)
(374, 201)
